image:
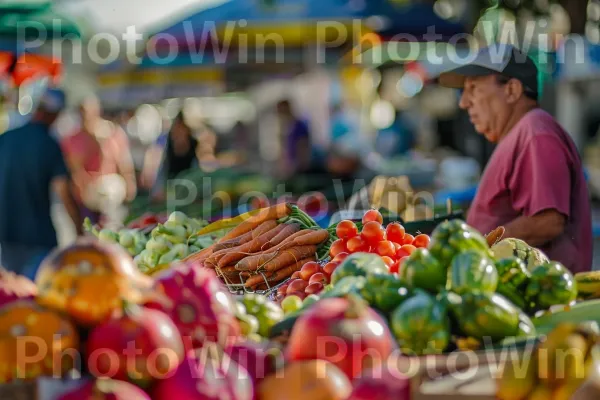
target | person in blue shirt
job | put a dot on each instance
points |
(31, 167)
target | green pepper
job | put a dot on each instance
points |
(484, 315)
(453, 237)
(526, 326)
(345, 286)
(472, 270)
(423, 271)
(550, 284)
(385, 292)
(513, 280)
(421, 325)
(359, 264)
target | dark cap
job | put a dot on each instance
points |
(501, 59)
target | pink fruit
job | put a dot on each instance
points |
(254, 358)
(319, 277)
(15, 287)
(199, 304)
(302, 295)
(201, 376)
(139, 346)
(309, 269)
(381, 384)
(106, 389)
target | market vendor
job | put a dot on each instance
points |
(534, 183)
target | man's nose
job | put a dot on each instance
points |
(464, 101)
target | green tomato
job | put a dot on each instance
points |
(291, 304)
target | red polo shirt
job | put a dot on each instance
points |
(536, 167)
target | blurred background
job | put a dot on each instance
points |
(259, 93)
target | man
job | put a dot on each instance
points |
(534, 183)
(31, 166)
(98, 150)
(298, 148)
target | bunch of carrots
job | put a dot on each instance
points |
(266, 248)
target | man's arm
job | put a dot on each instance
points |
(538, 229)
(61, 186)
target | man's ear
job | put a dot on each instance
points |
(514, 90)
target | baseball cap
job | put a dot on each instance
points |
(53, 100)
(502, 59)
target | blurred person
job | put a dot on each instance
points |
(297, 156)
(153, 156)
(534, 184)
(98, 150)
(397, 139)
(31, 168)
(182, 152)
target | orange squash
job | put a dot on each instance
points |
(89, 281)
(306, 380)
(35, 342)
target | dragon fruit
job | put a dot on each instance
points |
(205, 376)
(106, 389)
(15, 287)
(201, 307)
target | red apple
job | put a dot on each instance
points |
(309, 269)
(295, 275)
(314, 288)
(319, 277)
(297, 285)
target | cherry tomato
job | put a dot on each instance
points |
(401, 253)
(396, 245)
(408, 239)
(357, 245)
(395, 267)
(409, 248)
(421, 241)
(373, 232)
(388, 261)
(385, 248)
(372, 215)
(340, 257)
(395, 232)
(329, 268)
(339, 246)
(346, 230)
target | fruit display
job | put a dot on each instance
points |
(545, 372)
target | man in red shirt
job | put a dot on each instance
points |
(534, 183)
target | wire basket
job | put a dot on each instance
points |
(239, 288)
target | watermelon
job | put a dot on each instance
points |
(518, 248)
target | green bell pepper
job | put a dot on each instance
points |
(526, 326)
(551, 284)
(472, 270)
(453, 237)
(385, 292)
(423, 271)
(484, 315)
(513, 280)
(359, 264)
(421, 325)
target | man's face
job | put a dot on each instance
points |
(486, 102)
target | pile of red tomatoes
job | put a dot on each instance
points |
(391, 242)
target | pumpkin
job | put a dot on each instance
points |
(106, 389)
(89, 281)
(141, 345)
(35, 342)
(15, 287)
(315, 379)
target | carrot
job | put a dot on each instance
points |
(254, 280)
(307, 259)
(289, 256)
(288, 270)
(202, 255)
(252, 263)
(289, 230)
(263, 228)
(289, 241)
(315, 237)
(234, 242)
(252, 246)
(270, 213)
